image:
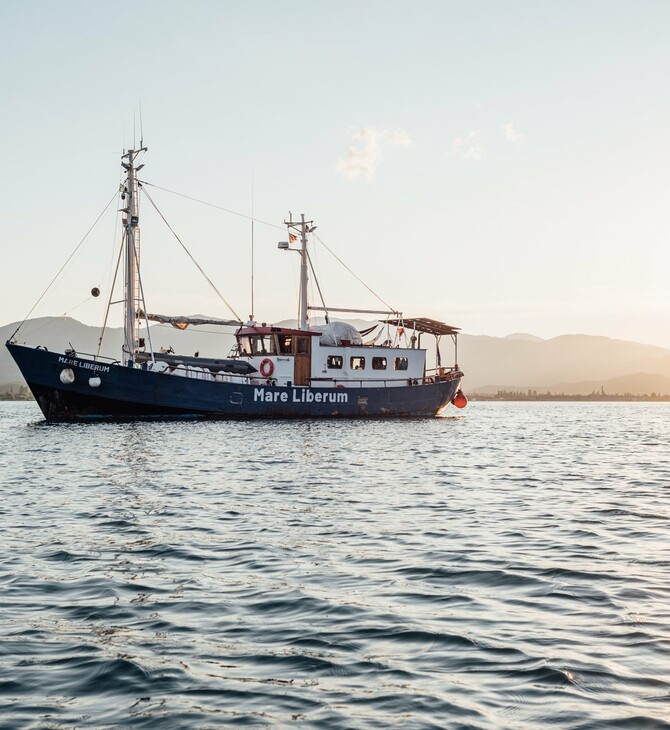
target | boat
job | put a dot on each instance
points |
(327, 370)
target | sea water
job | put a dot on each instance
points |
(507, 566)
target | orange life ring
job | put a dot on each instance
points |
(267, 367)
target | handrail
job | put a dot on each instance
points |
(190, 372)
(430, 375)
(444, 370)
(361, 382)
(358, 380)
(77, 353)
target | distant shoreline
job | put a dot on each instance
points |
(546, 397)
(24, 397)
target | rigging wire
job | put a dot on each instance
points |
(76, 306)
(62, 268)
(111, 293)
(272, 225)
(318, 287)
(144, 302)
(388, 306)
(42, 326)
(212, 205)
(116, 230)
(181, 243)
(252, 245)
(108, 270)
(313, 258)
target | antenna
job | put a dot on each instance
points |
(252, 244)
(141, 126)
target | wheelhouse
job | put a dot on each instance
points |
(286, 356)
(253, 341)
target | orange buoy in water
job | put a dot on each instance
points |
(459, 400)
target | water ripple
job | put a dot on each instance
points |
(505, 568)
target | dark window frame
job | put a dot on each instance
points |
(266, 342)
(244, 345)
(300, 343)
(284, 344)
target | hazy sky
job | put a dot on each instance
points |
(502, 166)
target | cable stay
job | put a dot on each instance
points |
(337, 258)
(212, 205)
(253, 219)
(111, 291)
(64, 266)
(200, 269)
(318, 287)
(144, 303)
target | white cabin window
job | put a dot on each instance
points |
(357, 363)
(379, 363)
(335, 362)
(401, 363)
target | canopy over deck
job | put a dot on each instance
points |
(181, 322)
(269, 330)
(423, 324)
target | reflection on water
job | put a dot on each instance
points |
(503, 567)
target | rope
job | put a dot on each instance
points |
(388, 306)
(69, 311)
(144, 303)
(181, 243)
(62, 316)
(318, 286)
(62, 268)
(42, 326)
(111, 293)
(212, 205)
(272, 225)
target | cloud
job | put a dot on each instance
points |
(365, 152)
(512, 135)
(469, 146)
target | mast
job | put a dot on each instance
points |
(132, 298)
(303, 274)
(303, 227)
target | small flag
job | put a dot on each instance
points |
(292, 238)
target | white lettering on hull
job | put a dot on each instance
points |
(270, 396)
(300, 395)
(85, 365)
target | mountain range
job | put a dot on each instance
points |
(570, 364)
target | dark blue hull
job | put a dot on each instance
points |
(133, 393)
